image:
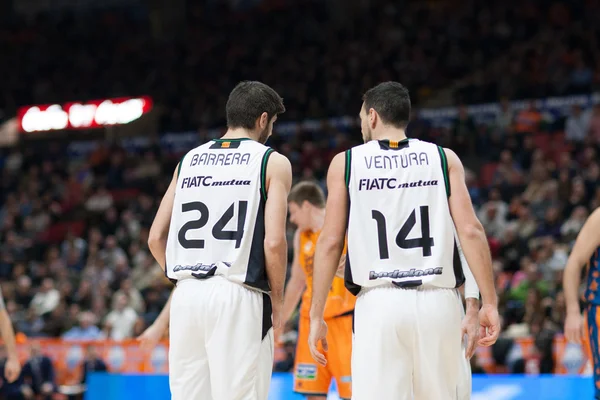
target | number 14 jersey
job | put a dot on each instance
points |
(217, 224)
(399, 226)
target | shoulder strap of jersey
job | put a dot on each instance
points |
(263, 173)
(444, 162)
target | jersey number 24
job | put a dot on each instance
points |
(218, 231)
(425, 242)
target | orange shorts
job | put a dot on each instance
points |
(312, 379)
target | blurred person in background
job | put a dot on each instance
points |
(38, 374)
(46, 299)
(85, 330)
(306, 204)
(577, 126)
(134, 298)
(120, 322)
(92, 362)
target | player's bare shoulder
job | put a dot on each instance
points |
(279, 169)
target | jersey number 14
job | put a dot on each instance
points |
(218, 230)
(425, 242)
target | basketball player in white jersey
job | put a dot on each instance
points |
(220, 235)
(399, 201)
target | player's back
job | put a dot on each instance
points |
(339, 300)
(217, 224)
(400, 229)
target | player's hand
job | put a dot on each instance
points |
(318, 333)
(150, 337)
(574, 328)
(277, 334)
(470, 329)
(489, 322)
(12, 369)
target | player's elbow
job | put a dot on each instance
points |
(275, 244)
(329, 243)
(155, 240)
(471, 230)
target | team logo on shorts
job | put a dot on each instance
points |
(306, 371)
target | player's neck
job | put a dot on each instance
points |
(238, 133)
(317, 219)
(392, 134)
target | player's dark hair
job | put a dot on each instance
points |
(248, 100)
(391, 101)
(307, 191)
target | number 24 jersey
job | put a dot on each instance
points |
(217, 224)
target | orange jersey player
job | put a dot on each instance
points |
(307, 212)
(578, 329)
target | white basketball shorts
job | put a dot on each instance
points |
(221, 341)
(407, 345)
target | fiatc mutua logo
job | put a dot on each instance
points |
(195, 181)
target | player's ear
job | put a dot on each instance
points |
(263, 121)
(305, 204)
(373, 118)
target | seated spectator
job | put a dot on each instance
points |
(38, 374)
(86, 330)
(100, 201)
(46, 299)
(92, 363)
(120, 322)
(133, 295)
(577, 126)
(531, 278)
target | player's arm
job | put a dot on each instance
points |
(470, 231)
(296, 284)
(152, 335)
(159, 231)
(475, 246)
(12, 369)
(279, 183)
(470, 323)
(331, 240)
(587, 242)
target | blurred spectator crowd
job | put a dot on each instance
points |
(73, 256)
(321, 66)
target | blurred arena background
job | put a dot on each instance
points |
(99, 100)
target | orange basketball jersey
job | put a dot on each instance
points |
(339, 300)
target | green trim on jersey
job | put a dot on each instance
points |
(444, 161)
(179, 166)
(348, 163)
(263, 173)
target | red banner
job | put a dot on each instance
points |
(83, 115)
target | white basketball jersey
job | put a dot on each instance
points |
(399, 226)
(217, 223)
